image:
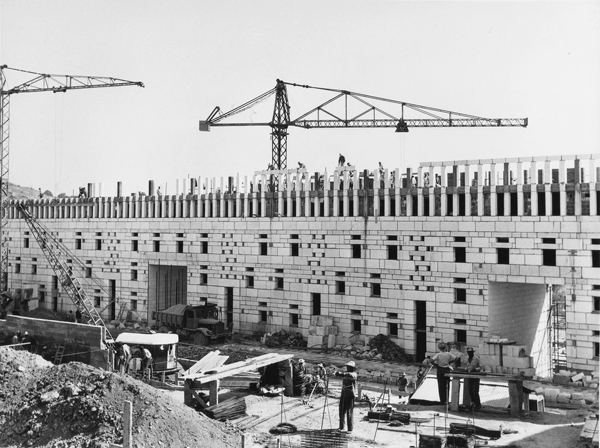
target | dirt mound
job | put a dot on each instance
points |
(78, 405)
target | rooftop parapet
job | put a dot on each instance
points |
(528, 186)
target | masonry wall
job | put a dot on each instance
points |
(82, 342)
(425, 268)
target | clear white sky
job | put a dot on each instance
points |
(539, 60)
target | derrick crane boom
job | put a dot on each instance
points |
(322, 116)
(39, 83)
(54, 252)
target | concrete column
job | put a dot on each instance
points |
(263, 196)
(386, 195)
(376, 184)
(577, 198)
(593, 193)
(299, 192)
(520, 200)
(534, 200)
(493, 199)
(480, 199)
(431, 191)
(326, 189)
(214, 204)
(519, 173)
(547, 172)
(467, 177)
(346, 195)
(307, 189)
(246, 197)
(563, 199)
(280, 201)
(238, 201)
(455, 210)
(506, 201)
(355, 192)
(467, 198)
(336, 189)
(288, 193)
(493, 176)
(409, 203)
(480, 179)
(443, 203)
(420, 201)
(562, 172)
(592, 169)
(397, 195)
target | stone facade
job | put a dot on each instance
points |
(453, 259)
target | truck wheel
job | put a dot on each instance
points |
(200, 339)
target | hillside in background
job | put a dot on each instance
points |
(18, 192)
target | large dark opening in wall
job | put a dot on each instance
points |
(112, 296)
(541, 203)
(229, 306)
(420, 329)
(461, 205)
(449, 205)
(415, 205)
(167, 286)
(316, 303)
(520, 312)
(500, 204)
(514, 204)
(555, 203)
(426, 205)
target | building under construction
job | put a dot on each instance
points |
(476, 252)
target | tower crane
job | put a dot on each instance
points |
(368, 116)
(40, 82)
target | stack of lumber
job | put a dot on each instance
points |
(211, 361)
(227, 410)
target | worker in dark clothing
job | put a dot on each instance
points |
(442, 361)
(78, 316)
(473, 365)
(348, 394)
(341, 160)
(146, 362)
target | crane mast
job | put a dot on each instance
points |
(40, 82)
(55, 252)
(368, 116)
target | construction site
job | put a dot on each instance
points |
(238, 310)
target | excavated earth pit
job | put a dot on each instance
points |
(76, 405)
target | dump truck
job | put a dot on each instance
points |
(199, 322)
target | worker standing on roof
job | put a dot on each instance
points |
(341, 160)
(348, 394)
(78, 316)
(442, 361)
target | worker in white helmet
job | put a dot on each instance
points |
(348, 394)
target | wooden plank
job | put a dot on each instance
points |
(213, 392)
(242, 366)
(127, 427)
(455, 394)
(205, 363)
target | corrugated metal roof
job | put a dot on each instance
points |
(491, 394)
(148, 339)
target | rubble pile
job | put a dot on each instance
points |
(285, 339)
(78, 405)
(388, 349)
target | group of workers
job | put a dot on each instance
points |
(443, 361)
(124, 354)
(446, 362)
